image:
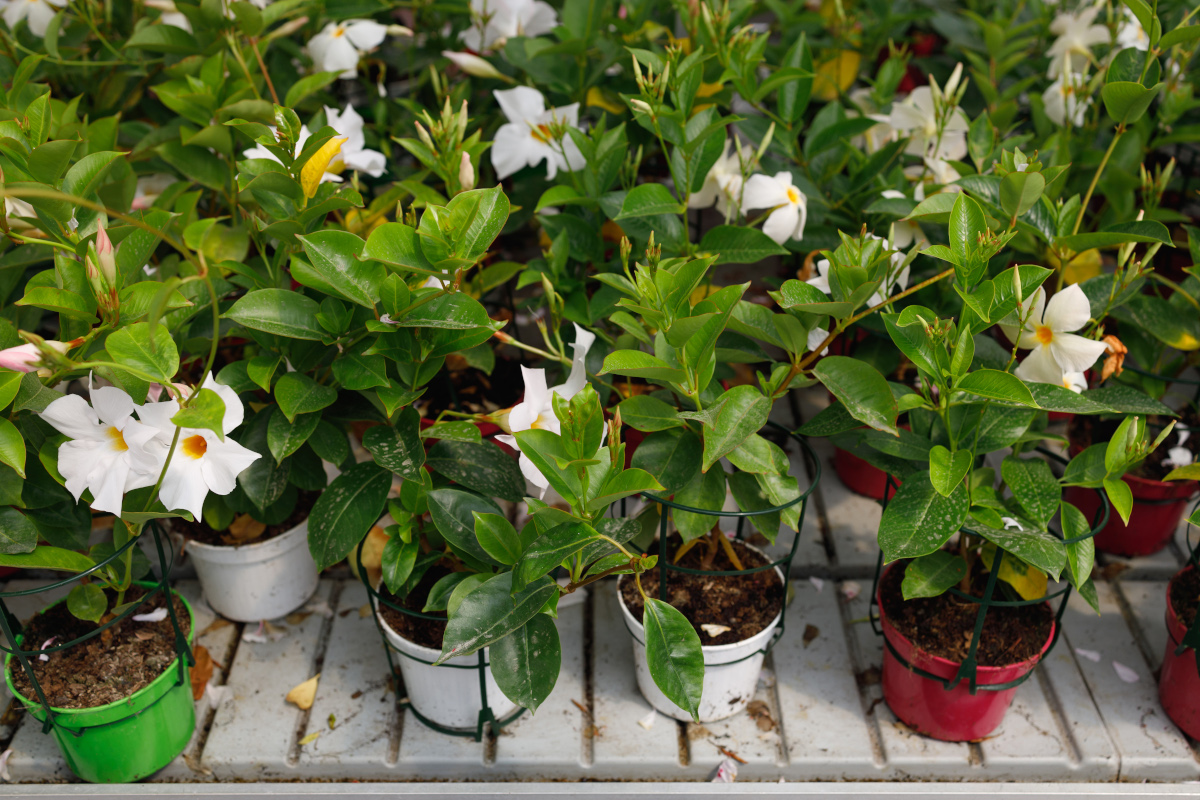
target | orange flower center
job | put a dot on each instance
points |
(118, 441)
(541, 133)
(338, 31)
(195, 446)
(793, 195)
(1044, 334)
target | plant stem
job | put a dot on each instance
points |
(1096, 177)
(262, 65)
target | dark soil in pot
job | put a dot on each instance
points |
(1085, 431)
(1185, 595)
(469, 390)
(107, 668)
(746, 604)
(425, 632)
(943, 625)
(200, 531)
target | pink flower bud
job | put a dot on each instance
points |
(22, 358)
(107, 257)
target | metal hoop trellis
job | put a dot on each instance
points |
(14, 635)
(784, 564)
(968, 669)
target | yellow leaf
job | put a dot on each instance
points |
(304, 694)
(1081, 267)
(601, 99)
(706, 90)
(836, 75)
(312, 737)
(1029, 582)
(311, 173)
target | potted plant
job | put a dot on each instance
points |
(1179, 680)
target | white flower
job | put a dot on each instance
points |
(1075, 381)
(354, 154)
(1011, 522)
(816, 336)
(201, 462)
(1048, 333)
(1178, 457)
(14, 209)
(723, 183)
(821, 279)
(904, 232)
(37, 13)
(874, 137)
(1131, 33)
(149, 187)
(340, 45)
(1066, 100)
(790, 204)
(525, 140)
(506, 19)
(1076, 34)
(536, 410)
(109, 452)
(170, 15)
(473, 64)
(916, 116)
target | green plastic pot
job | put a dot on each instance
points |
(127, 740)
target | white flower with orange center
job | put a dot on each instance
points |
(528, 139)
(201, 462)
(340, 45)
(790, 205)
(1048, 333)
(497, 21)
(109, 452)
(536, 409)
(1077, 33)
(37, 13)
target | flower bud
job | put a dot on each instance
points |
(107, 262)
(288, 28)
(22, 358)
(474, 65)
(955, 77)
(641, 105)
(399, 30)
(466, 173)
(423, 135)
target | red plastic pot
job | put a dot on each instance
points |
(861, 477)
(926, 706)
(1158, 507)
(1179, 682)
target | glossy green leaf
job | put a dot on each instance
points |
(918, 520)
(345, 512)
(861, 389)
(297, 393)
(491, 612)
(398, 448)
(525, 663)
(673, 655)
(481, 466)
(931, 575)
(87, 601)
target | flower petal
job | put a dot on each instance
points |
(1075, 353)
(763, 191)
(578, 377)
(521, 104)
(1069, 310)
(783, 222)
(365, 34)
(111, 405)
(72, 415)
(513, 148)
(1040, 367)
(223, 462)
(184, 487)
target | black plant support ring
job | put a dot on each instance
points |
(783, 564)
(14, 635)
(486, 719)
(968, 669)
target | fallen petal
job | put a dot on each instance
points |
(1125, 673)
(647, 721)
(817, 582)
(304, 694)
(45, 644)
(157, 615)
(726, 772)
(714, 630)
(320, 608)
(217, 694)
(1090, 655)
(4, 764)
(851, 590)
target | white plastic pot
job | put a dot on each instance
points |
(730, 670)
(253, 582)
(445, 695)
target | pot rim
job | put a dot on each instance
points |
(193, 544)
(720, 648)
(116, 704)
(980, 669)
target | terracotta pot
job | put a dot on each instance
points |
(926, 706)
(861, 477)
(1179, 682)
(1158, 507)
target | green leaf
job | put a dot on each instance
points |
(918, 520)
(1181, 35)
(672, 456)
(1037, 548)
(932, 575)
(162, 39)
(498, 537)
(285, 437)
(622, 484)
(398, 448)
(1191, 472)
(308, 85)
(133, 347)
(1126, 101)
(397, 562)
(44, 557)
(18, 534)
(10, 383)
(947, 471)
(673, 655)
(861, 389)
(637, 364)
(481, 466)
(491, 612)
(997, 385)
(640, 412)
(707, 491)
(12, 447)
(551, 549)
(278, 311)
(330, 443)
(335, 267)
(1019, 191)
(397, 245)
(453, 512)
(1034, 486)
(345, 512)
(297, 393)
(205, 410)
(741, 412)
(525, 663)
(647, 200)
(87, 601)
(86, 174)
(1121, 497)
(966, 223)
(1148, 231)
(736, 245)
(1081, 555)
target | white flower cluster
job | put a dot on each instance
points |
(110, 453)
